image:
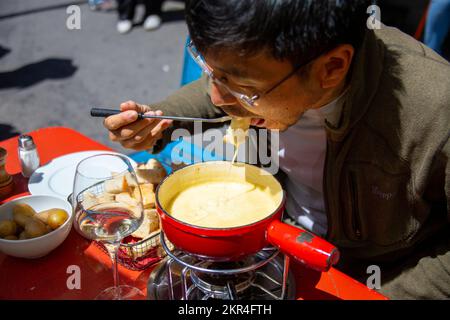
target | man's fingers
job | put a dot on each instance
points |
(148, 142)
(128, 105)
(120, 120)
(130, 131)
(150, 134)
(131, 105)
(161, 126)
(128, 115)
(138, 137)
(145, 133)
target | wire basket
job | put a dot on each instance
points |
(134, 253)
(138, 255)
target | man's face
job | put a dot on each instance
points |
(278, 109)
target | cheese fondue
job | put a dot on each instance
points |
(222, 204)
(236, 133)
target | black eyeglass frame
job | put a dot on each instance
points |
(249, 100)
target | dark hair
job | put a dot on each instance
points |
(296, 30)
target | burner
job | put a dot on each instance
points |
(264, 275)
(220, 286)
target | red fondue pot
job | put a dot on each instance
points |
(231, 244)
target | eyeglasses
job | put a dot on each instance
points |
(249, 100)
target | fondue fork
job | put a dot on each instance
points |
(100, 112)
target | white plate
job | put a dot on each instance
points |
(56, 177)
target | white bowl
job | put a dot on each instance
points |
(40, 246)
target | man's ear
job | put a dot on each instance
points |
(334, 65)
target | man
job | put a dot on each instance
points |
(364, 120)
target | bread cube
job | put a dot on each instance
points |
(126, 198)
(149, 224)
(148, 195)
(116, 185)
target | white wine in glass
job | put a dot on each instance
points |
(101, 217)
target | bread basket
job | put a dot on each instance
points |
(138, 255)
(135, 253)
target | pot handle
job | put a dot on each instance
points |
(305, 247)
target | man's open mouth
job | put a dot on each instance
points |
(258, 122)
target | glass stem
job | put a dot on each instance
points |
(113, 249)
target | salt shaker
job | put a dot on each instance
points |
(28, 155)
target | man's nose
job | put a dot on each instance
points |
(221, 97)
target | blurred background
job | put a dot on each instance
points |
(52, 76)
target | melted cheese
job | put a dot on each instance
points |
(236, 133)
(222, 204)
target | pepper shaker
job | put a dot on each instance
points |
(6, 181)
(28, 155)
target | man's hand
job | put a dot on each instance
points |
(132, 133)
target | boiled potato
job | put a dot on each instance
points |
(23, 235)
(43, 215)
(35, 228)
(48, 228)
(19, 230)
(7, 228)
(24, 208)
(56, 218)
(21, 219)
(53, 218)
(22, 213)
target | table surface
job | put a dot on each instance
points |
(47, 277)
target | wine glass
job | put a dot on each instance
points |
(102, 215)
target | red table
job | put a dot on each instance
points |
(46, 278)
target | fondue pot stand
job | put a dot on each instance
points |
(235, 243)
